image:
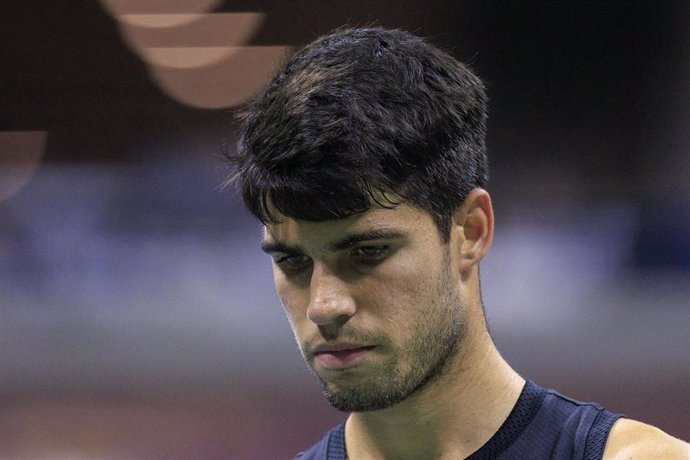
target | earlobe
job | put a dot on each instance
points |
(474, 224)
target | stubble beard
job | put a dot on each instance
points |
(416, 364)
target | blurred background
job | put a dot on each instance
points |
(137, 315)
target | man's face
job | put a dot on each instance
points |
(372, 302)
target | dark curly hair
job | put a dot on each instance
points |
(361, 117)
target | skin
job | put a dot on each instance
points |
(633, 440)
(426, 380)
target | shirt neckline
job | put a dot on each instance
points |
(525, 409)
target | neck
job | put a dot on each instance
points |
(450, 418)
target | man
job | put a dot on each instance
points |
(365, 159)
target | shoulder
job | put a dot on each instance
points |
(632, 440)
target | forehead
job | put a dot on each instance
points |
(402, 219)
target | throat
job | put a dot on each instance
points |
(452, 418)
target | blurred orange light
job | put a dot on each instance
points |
(199, 59)
(220, 84)
(217, 29)
(117, 7)
(187, 58)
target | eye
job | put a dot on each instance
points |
(292, 262)
(372, 253)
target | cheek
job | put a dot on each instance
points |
(293, 299)
(403, 294)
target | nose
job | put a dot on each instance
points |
(330, 300)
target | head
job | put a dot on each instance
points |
(365, 159)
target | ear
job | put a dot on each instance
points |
(473, 226)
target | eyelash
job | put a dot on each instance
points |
(380, 251)
(376, 254)
(285, 262)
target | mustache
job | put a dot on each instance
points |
(342, 334)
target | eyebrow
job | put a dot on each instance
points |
(338, 245)
(351, 240)
(271, 247)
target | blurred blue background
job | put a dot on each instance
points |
(137, 315)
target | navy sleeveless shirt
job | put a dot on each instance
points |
(543, 425)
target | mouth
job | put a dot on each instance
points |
(341, 356)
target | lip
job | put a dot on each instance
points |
(340, 356)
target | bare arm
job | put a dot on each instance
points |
(633, 440)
